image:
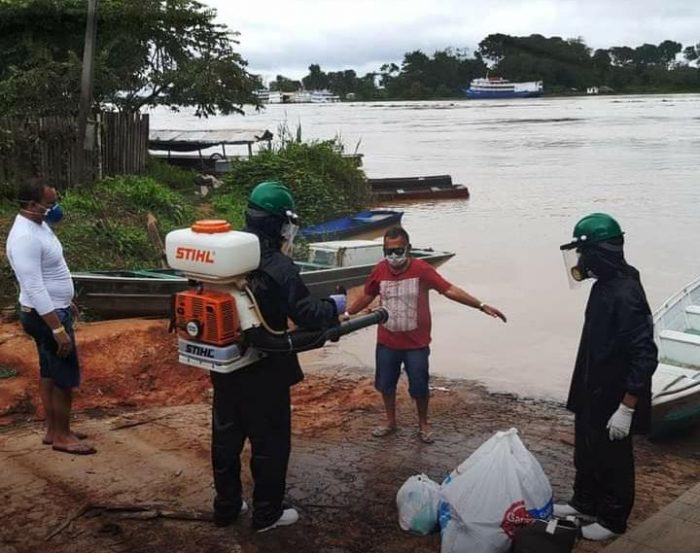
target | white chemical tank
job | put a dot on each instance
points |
(210, 251)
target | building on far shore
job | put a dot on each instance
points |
(300, 97)
(599, 90)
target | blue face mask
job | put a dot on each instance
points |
(54, 214)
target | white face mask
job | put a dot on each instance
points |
(396, 259)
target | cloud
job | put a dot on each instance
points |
(286, 36)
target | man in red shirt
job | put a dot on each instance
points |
(403, 283)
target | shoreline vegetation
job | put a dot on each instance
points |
(566, 66)
(105, 223)
(177, 42)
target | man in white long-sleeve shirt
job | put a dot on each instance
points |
(47, 311)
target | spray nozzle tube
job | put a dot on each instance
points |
(304, 340)
(378, 316)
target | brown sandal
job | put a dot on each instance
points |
(382, 431)
(78, 449)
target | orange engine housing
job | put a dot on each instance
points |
(213, 313)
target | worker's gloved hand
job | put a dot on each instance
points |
(620, 422)
(341, 302)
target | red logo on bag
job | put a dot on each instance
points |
(515, 516)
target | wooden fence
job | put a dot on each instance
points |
(49, 147)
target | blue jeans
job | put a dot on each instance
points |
(63, 371)
(415, 363)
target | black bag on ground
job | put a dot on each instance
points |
(555, 536)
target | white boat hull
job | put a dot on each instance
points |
(676, 382)
(490, 88)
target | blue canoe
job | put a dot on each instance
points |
(365, 225)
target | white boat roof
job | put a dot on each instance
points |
(211, 137)
(338, 244)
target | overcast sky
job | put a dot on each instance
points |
(286, 36)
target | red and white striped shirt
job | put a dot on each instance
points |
(405, 297)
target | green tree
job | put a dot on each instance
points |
(387, 72)
(692, 53)
(668, 50)
(149, 53)
(494, 47)
(646, 54)
(366, 88)
(284, 84)
(342, 82)
(601, 61)
(622, 55)
(414, 64)
(316, 79)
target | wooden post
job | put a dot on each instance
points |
(156, 240)
(87, 132)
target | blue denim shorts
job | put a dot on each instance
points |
(63, 371)
(415, 363)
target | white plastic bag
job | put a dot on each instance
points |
(417, 501)
(500, 487)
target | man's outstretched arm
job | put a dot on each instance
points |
(455, 293)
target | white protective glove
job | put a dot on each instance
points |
(620, 422)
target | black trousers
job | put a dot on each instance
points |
(252, 403)
(604, 484)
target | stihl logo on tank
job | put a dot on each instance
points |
(193, 254)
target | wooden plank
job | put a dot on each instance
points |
(123, 143)
(131, 165)
(113, 143)
(129, 168)
(109, 170)
(144, 139)
(106, 144)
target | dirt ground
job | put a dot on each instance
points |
(149, 419)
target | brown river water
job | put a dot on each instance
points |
(533, 167)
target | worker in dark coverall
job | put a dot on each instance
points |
(611, 386)
(253, 402)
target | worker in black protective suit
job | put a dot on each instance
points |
(253, 402)
(611, 385)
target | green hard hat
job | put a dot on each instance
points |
(596, 227)
(272, 197)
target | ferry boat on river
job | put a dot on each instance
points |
(497, 87)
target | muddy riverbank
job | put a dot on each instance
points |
(149, 419)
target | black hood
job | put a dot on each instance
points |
(605, 259)
(268, 228)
